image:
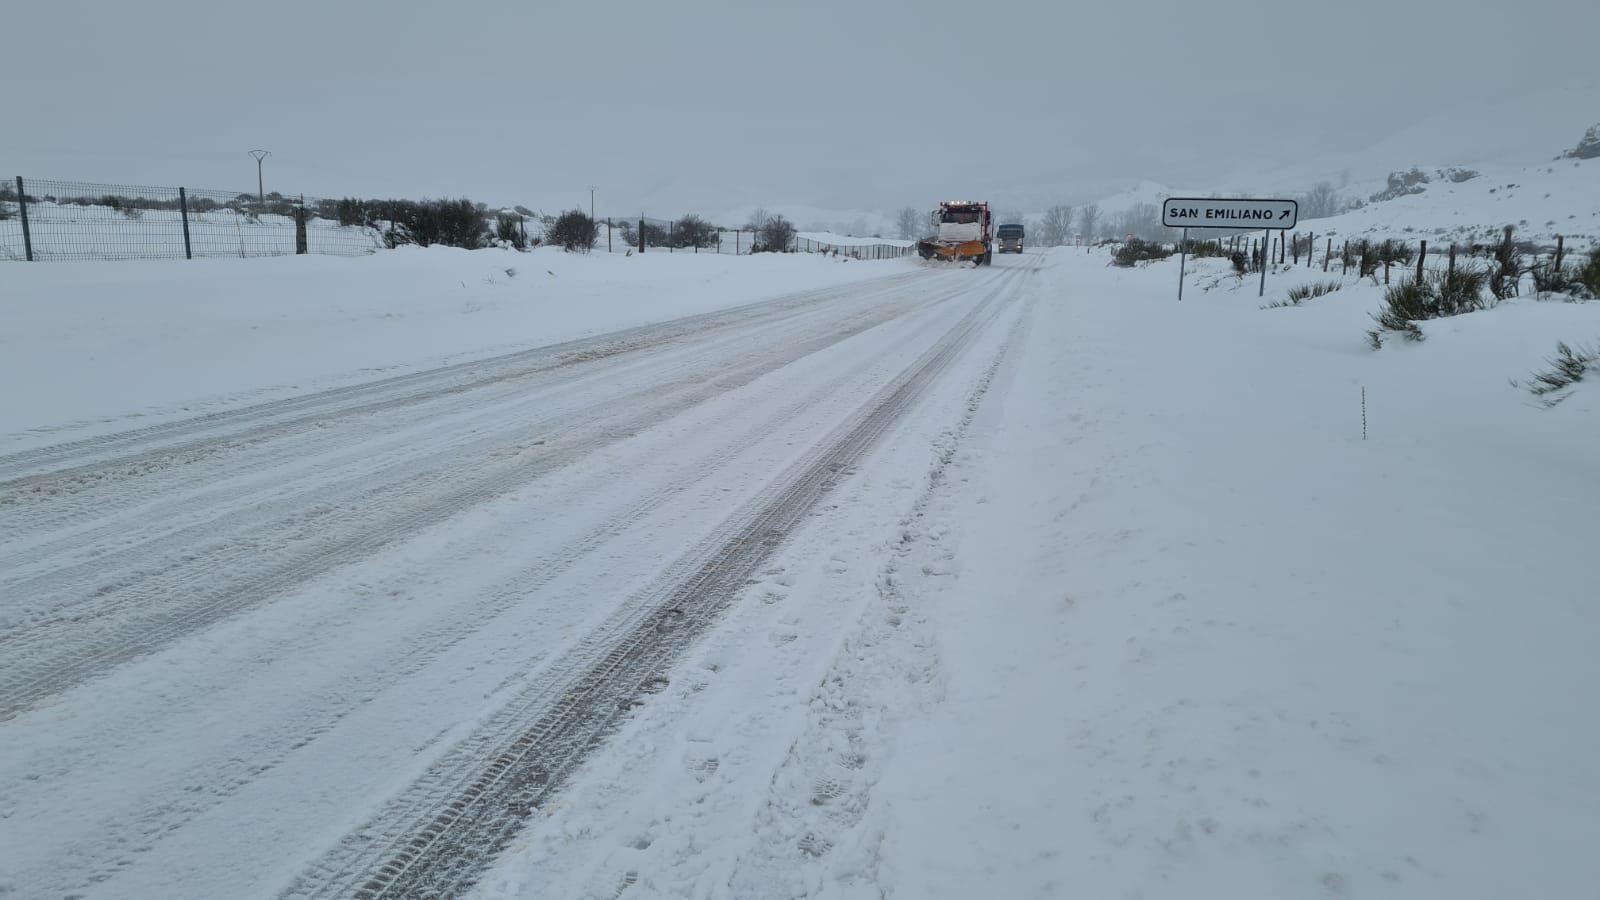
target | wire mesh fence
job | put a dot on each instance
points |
(47, 219)
(691, 235)
(43, 219)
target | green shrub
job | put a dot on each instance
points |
(1138, 251)
(1588, 275)
(509, 229)
(450, 223)
(1299, 295)
(693, 231)
(1567, 368)
(350, 211)
(573, 230)
(1547, 279)
(1436, 296)
(1316, 289)
(1506, 273)
(1459, 290)
(1203, 249)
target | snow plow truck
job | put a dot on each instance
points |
(961, 231)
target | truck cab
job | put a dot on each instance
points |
(1010, 237)
(961, 232)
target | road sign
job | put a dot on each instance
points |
(1238, 215)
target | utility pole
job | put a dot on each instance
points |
(591, 203)
(261, 191)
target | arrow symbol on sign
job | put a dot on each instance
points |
(1284, 214)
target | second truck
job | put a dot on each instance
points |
(961, 232)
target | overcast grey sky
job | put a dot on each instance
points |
(694, 105)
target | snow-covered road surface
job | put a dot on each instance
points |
(345, 643)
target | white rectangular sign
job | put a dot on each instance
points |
(1239, 215)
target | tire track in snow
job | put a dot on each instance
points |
(177, 798)
(810, 833)
(190, 581)
(169, 442)
(44, 501)
(435, 839)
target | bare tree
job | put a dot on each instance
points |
(1143, 221)
(1056, 226)
(1321, 202)
(909, 223)
(776, 234)
(758, 219)
(1088, 221)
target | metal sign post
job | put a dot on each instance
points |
(1183, 259)
(1235, 214)
(1266, 251)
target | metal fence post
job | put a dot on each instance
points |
(300, 245)
(1266, 253)
(183, 208)
(22, 205)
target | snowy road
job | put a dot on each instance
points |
(345, 644)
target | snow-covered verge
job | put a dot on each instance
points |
(1146, 614)
(103, 346)
(1208, 642)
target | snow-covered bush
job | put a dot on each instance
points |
(1138, 251)
(1438, 295)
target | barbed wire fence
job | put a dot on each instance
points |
(46, 219)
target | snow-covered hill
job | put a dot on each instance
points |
(1481, 167)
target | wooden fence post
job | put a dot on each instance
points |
(1560, 248)
(1344, 259)
(1452, 269)
(1386, 262)
(1421, 255)
(1327, 255)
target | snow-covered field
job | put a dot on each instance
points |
(696, 576)
(114, 345)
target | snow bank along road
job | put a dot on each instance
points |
(346, 644)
